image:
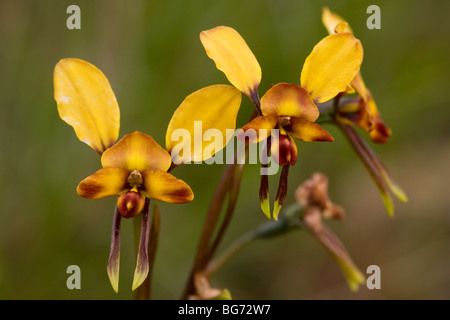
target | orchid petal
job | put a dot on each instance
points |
(86, 102)
(331, 66)
(105, 182)
(233, 57)
(289, 100)
(331, 20)
(210, 108)
(307, 130)
(137, 151)
(258, 129)
(160, 185)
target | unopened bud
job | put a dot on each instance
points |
(379, 132)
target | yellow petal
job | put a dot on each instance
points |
(308, 131)
(86, 102)
(233, 57)
(212, 108)
(289, 100)
(331, 66)
(137, 151)
(330, 20)
(160, 185)
(105, 182)
(258, 129)
(360, 87)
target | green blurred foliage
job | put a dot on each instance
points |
(151, 53)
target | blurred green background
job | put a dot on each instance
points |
(151, 53)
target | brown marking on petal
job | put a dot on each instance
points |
(254, 97)
(182, 196)
(88, 190)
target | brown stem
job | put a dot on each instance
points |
(232, 200)
(209, 226)
(231, 179)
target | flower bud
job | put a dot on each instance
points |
(130, 204)
(379, 132)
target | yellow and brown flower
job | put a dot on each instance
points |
(290, 108)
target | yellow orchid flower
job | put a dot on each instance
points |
(363, 110)
(134, 169)
(327, 71)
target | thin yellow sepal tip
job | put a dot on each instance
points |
(388, 204)
(355, 279)
(396, 190)
(265, 207)
(276, 210)
(114, 279)
(399, 193)
(139, 278)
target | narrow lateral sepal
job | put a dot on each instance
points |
(142, 266)
(281, 192)
(114, 256)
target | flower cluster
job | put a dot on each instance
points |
(136, 168)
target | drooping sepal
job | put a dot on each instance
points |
(281, 192)
(114, 255)
(313, 221)
(375, 168)
(264, 194)
(142, 265)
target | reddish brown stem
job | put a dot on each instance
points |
(212, 217)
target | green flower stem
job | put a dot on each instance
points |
(230, 252)
(289, 221)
